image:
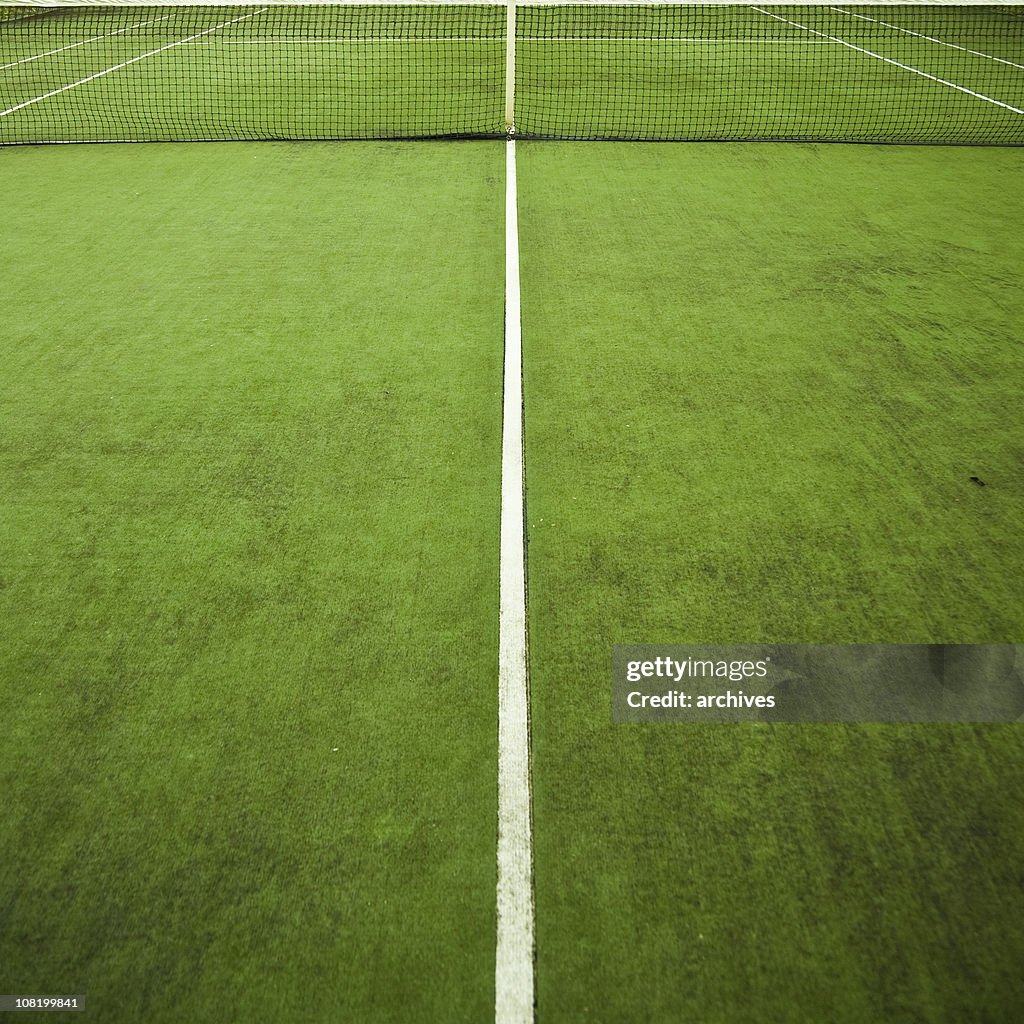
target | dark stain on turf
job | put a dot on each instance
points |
(977, 480)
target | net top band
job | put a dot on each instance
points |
(29, 4)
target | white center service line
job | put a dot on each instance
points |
(125, 63)
(894, 63)
(513, 967)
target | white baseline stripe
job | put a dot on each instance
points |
(931, 39)
(316, 40)
(71, 46)
(124, 64)
(894, 63)
(513, 966)
(673, 39)
(501, 40)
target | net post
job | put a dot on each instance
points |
(510, 69)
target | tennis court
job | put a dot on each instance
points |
(267, 755)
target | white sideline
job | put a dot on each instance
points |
(931, 39)
(125, 63)
(895, 63)
(513, 967)
(71, 46)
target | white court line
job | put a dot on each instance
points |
(513, 963)
(894, 63)
(519, 39)
(350, 39)
(71, 46)
(124, 64)
(931, 39)
(673, 39)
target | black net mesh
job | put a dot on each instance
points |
(880, 73)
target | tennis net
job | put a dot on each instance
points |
(912, 72)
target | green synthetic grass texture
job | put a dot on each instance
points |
(249, 477)
(758, 382)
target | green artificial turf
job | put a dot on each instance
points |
(759, 382)
(249, 477)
